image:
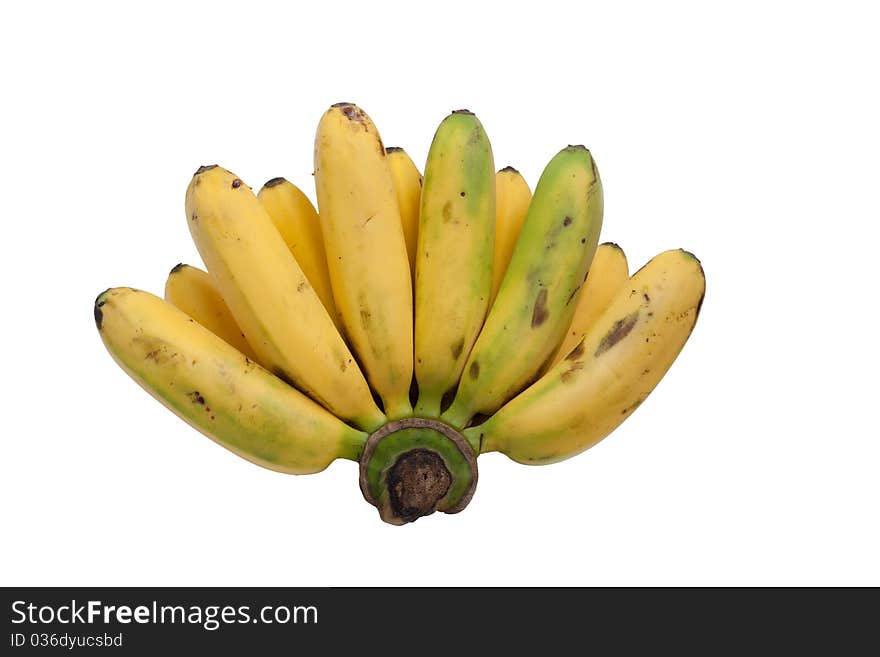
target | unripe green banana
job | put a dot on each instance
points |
(608, 374)
(455, 255)
(539, 291)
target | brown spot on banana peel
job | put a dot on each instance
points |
(351, 111)
(568, 374)
(236, 183)
(474, 370)
(457, 348)
(447, 212)
(539, 311)
(566, 221)
(196, 397)
(618, 332)
(577, 352)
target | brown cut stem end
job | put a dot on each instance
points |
(417, 481)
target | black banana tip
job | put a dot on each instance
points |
(393, 149)
(274, 181)
(508, 169)
(342, 104)
(205, 167)
(463, 111)
(99, 314)
(613, 245)
(176, 268)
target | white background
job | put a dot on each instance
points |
(747, 135)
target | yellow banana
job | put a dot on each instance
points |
(217, 389)
(281, 316)
(608, 273)
(454, 258)
(539, 291)
(366, 250)
(297, 220)
(608, 374)
(408, 186)
(191, 290)
(512, 196)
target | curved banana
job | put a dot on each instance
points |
(297, 220)
(408, 186)
(512, 197)
(454, 257)
(281, 316)
(608, 374)
(191, 290)
(366, 250)
(539, 292)
(608, 273)
(217, 389)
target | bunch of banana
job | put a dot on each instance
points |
(409, 323)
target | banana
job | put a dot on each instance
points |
(454, 257)
(608, 273)
(408, 186)
(608, 374)
(217, 389)
(539, 291)
(281, 316)
(191, 290)
(512, 197)
(366, 250)
(297, 220)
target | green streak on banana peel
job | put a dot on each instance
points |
(415, 466)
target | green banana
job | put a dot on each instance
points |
(539, 292)
(454, 256)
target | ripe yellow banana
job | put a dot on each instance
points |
(297, 220)
(512, 197)
(366, 250)
(191, 290)
(608, 273)
(408, 186)
(217, 389)
(608, 374)
(539, 292)
(281, 316)
(454, 257)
